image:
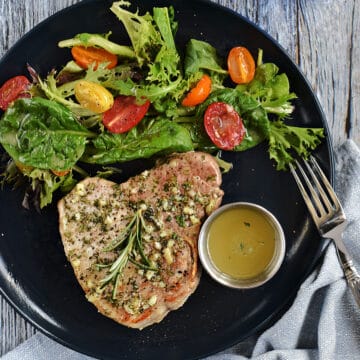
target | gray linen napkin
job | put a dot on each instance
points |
(323, 322)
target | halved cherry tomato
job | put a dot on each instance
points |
(93, 96)
(199, 93)
(25, 169)
(224, 125)
(60, 172)
(124, 114)
(13, 89)
(241, 65)
(85, 56)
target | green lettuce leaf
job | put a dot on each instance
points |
(200, 56)
(150, 137)
(42, 133)
(284, 140)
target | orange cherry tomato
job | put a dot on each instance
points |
(13, 89)
(85, 56)
(199, 93)
(241, 65)
(25, 169)
(60, 172)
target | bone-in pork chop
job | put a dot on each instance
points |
(133, 246)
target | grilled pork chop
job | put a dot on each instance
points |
(133, 246)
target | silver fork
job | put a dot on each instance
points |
(327, 213)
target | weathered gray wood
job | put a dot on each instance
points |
(322, 36)
(14, 329)
(353, 118)
(326, 60)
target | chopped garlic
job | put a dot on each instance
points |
(146, 237)
(152, 300)
(143, 206)
(168, 256)
(173, 163)
(145, 174)
(188, 210)
(157, 245)
(135, 303)
(75, 199)
(210, 207)
(92, 297)
(76, 263)
(108, 220)
(149, 229)
(102, 202)
(128, 309)
(155, 256)
(165, 204)
(149, 274)
(194, 220)
(80, 189)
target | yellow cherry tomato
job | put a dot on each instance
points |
(93, 96)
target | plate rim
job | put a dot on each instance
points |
(286, 304)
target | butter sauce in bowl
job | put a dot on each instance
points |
(241, 245)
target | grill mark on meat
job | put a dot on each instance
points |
(180, 192)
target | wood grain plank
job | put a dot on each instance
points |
(13, 26)
(325, 45)
(278, 18)
(353, 116)
(13, 328)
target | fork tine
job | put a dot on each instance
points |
(327, 205)
(326, 184)
(321, 211)
(304, 193)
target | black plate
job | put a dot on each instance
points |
(38, 281)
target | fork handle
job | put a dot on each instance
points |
(351, 274)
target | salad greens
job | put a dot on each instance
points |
(152, 136)
(52, 131)
(102, 41)
(44, 134)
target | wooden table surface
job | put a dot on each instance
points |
(321, 36)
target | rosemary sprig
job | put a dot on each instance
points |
(128, 242)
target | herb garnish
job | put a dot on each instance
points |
(128, 242)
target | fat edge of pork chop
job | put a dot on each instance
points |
(97, 210)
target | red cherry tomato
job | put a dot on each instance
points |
(223, 125)
(124, 114)
(85, 56)
(13, 89)
(199, 93)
